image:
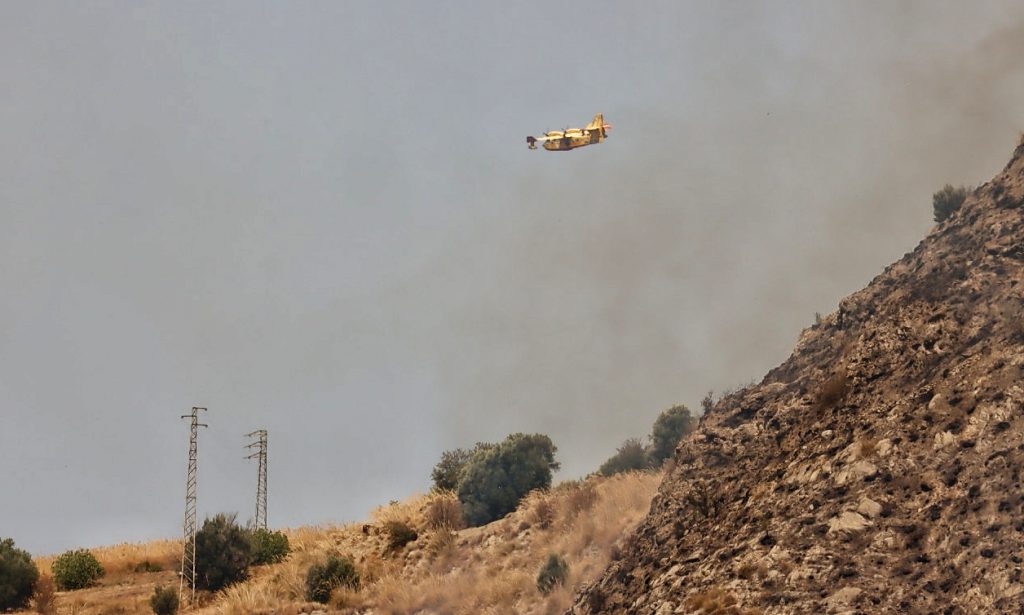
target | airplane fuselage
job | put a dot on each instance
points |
(571, 139)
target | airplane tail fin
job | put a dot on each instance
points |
(598, 124)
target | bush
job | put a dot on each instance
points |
(580, 496)
(632, 455)
(707, 404)
(670, 426)
(444, 512)
(554, 572)
(45, 596)
(543, 513)
(268, 547)
(223, 553)
(323, 578)
(147, 566)
(18, 575)
(495, 479)
(164, 601)
(947, 201)
(399, 534)
(833, 390)
(704, 499)
(76, 570)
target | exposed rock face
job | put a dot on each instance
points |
(877, 470)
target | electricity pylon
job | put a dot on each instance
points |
(188, 551)
(261, 480)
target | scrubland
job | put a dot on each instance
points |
(446, 570)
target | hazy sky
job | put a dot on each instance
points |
(322, 219)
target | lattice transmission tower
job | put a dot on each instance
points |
(261, 481)
(188, 555)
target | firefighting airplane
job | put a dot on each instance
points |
(571, 138)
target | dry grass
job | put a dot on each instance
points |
(443, 511)
(833, 390)
(122, 559)
(44, 600)
(127, 584)
(865, 447)
(485, 570)
(716, 601)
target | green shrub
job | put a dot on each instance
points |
(632, 455)
(399, 534)
(554, 572)
(323, 578)
(268, 547)
(223, 553)
(495, 479)
(76, 570)
(164, 600)
(947, 201)
(18, 575)
(670, 426)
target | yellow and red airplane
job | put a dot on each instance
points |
(571, 138)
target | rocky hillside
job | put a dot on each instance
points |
(877, 470)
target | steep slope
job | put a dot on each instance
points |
(877, 470)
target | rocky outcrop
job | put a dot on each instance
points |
(877, 470)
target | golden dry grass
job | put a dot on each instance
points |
(485, 570)
(865, 447)
(121, 559)
(833, 390)
(716, 601)
(122, 589)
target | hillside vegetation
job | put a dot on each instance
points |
(488, 569)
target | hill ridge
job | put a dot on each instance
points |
(876, 470)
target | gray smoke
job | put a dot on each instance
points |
(324, 221)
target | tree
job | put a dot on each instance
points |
(76, 570)
(670, 426)
(947, 201)
(223, 553)
(18, 575)
(496, 478)
(447, 471)
(632, 455)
